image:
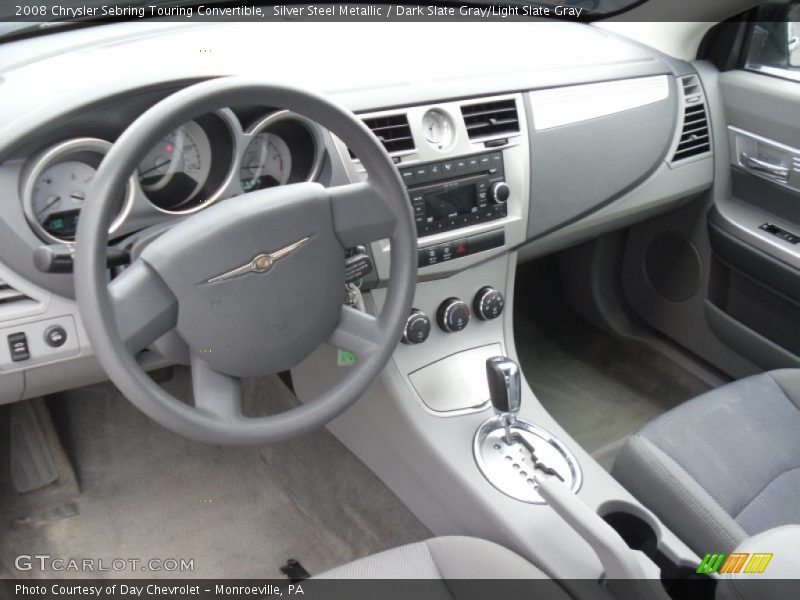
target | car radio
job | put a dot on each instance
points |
(457, 192)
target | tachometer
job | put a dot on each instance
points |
(267, 162)
(57, 186)
(58, 195)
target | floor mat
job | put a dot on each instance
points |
(598, 387)
(236, 512)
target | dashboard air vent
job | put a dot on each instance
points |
(491, 119)
(695, 139)
(393, 132)
(11, 297)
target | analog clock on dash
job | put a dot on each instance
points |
(438, 128)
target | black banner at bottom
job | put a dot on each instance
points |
(701, 588)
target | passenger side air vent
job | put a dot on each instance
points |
(491, 119)
(393, 131)
(13, 298)
(695, 138)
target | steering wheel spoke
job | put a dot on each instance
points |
(144, 307)
(360, 214)
(357, 332)
(215, 393)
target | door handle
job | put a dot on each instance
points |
(762, 166)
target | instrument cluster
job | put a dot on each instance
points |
(201, 162)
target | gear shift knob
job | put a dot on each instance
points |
(505, 391)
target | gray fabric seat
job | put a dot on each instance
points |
(446, 558)
(723, 466)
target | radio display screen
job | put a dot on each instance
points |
(450, 203)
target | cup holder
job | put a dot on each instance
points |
(679, 581)
(636, 532)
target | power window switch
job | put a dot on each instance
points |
(18, 345)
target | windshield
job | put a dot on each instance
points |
(22, 19)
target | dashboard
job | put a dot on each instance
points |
(558, 135)
(207, 159)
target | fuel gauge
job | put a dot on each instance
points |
(267, 162)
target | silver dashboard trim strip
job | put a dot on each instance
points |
(573, 104)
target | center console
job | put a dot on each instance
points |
(426, 427)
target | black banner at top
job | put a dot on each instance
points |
(60, 11)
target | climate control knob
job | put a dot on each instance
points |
(488, 303)
(417, 329)
(499, 192)
(453, 315)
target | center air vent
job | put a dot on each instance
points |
(491, 119)
(13, 298)
(392, 131)
(695, 139)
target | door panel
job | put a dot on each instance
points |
(736, 244)
(762, 115)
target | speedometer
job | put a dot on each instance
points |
(267, 162)
(174, 171)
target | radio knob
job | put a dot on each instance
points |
(417, 329)
(499, 192)
(488, 303)
(453, 315)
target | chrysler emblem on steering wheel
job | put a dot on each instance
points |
(260, 263)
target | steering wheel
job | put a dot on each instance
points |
(252, 284)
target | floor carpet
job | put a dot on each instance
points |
(236, 512)
(598, 387)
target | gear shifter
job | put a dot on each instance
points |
(505, 391)
(510, 451)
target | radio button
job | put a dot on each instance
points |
(500, 192)
(473, 162)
